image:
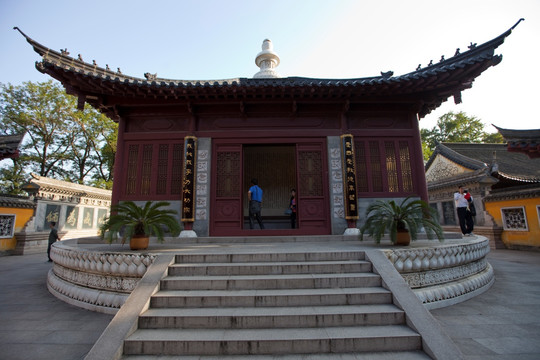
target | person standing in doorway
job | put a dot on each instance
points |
(461, 206)
(292, 207)
(255, 195)
(53, 237)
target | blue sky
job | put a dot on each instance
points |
(213, 39)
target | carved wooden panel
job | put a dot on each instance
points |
(228, 174)
(162, 167)
(371, 120)
(391, 167)
(313, 204)
(133, 158)
(153, 170)
(176, 169)
(156, 124)
(406, 170)
(146, 169)
(226, 209)
(361, 167)
(384, 166)
(375, 166)
(310, 166)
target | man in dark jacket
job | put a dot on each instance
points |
(53, 237)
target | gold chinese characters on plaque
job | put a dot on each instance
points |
(188, 179)
(349, 177)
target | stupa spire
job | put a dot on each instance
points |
(267, 60)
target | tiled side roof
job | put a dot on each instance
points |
(464, 178)
(16, 202)
(513, 193)
(68, 188)
(515, 166)
(430, 85)
(457, 157)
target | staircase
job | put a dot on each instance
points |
(323, 305)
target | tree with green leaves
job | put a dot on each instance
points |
(13, 177)
(456, 127)
(93, 148)
(60, 142)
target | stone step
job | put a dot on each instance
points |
(270, 257)
(270, 298)
(271, 317)
(272, 341)
(270, 268)
(261, 282)
(394, 355)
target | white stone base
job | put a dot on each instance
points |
(187, 234)
(352, 231)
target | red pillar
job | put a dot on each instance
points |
(118, 160)
(417, 160)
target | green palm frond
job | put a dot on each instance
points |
(413, 215)
(129, 219)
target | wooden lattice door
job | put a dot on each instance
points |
(226, 210)
(313, 207)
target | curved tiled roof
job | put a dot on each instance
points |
(428, 87)
(524, 141)
(517, 192)
(455, 156)
(12, 201)
(511, 166)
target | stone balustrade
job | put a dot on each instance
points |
(439, 274)
(95, 280)
(446, 274)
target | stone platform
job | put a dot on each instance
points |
(100, 277)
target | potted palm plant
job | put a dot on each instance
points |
(402, 221)
(136, 224)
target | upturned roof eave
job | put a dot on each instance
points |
(60, 65)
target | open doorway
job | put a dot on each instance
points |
(274, 166)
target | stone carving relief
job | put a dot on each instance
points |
(202, 185)
(445, 272)
(442, 168)
(337, 183)
(514, 219)
(94, 279)
(7, 224)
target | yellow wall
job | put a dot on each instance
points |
(22, 215)
(518, 238)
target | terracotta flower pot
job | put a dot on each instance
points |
(139, 242)
(403, 237)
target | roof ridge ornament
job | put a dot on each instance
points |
(267, 60)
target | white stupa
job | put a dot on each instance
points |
(267, 60)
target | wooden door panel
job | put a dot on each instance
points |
(313, 207)
(226, 209)
(226, 213)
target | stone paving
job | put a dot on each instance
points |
(34, 325)
(502, 323)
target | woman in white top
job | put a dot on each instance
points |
(461, 198)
